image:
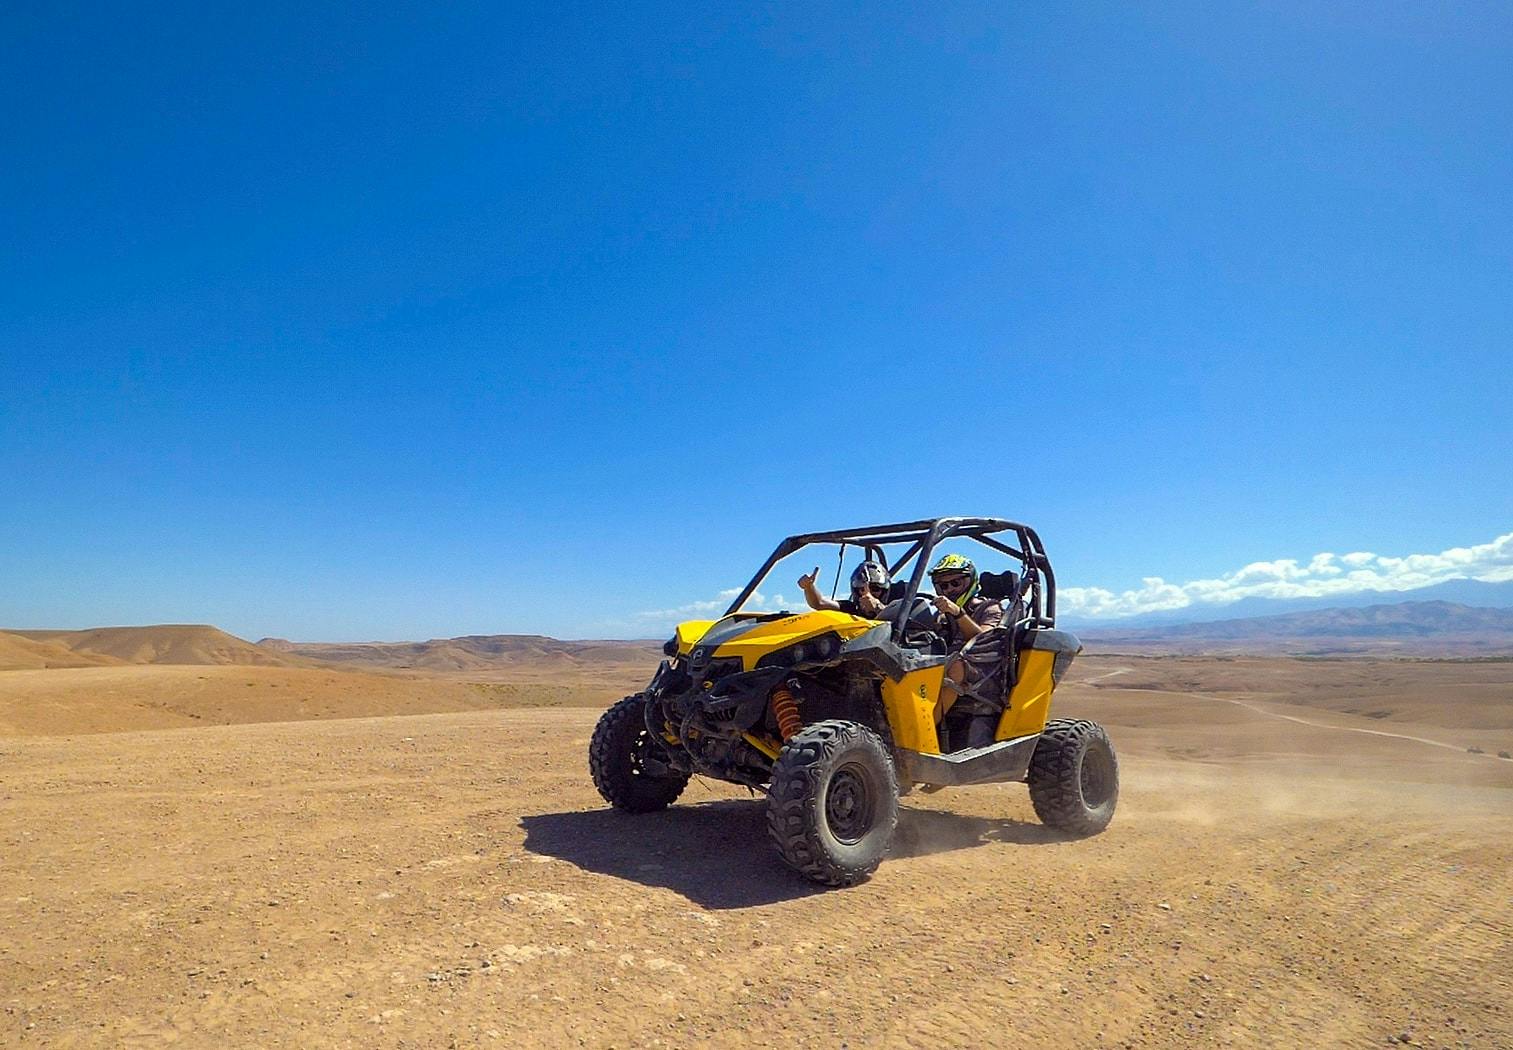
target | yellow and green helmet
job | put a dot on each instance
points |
(954, 563)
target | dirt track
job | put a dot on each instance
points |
(454, 880)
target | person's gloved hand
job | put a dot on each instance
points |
(947, 606)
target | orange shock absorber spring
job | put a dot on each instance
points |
(785, 708)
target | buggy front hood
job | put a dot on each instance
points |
(752, 636)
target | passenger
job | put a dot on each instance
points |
(972, 720)
(869, 591)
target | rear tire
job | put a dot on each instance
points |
(619, 746)
(833, 803)
(1074, 777)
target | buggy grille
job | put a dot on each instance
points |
(702, 669)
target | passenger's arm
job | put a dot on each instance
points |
(812, 595)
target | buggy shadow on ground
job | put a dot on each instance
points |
(922, 832)
(717, 854)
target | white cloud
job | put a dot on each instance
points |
(715, 607)
(1324, 575)
(1323, 565)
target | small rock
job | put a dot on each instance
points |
(1164, 906)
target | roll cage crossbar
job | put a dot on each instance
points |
(1037, 579)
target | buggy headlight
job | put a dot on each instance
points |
(670, 647)
(810, 650)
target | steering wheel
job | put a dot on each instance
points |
(919, 625)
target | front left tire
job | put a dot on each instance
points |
(833, 803)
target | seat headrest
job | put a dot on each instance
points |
(999, 585)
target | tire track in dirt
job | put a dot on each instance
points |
(1459, 749)
(1348, 729)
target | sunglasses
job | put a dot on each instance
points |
(877, 590)
(952, 584)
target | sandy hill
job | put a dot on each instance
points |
(1434, 628)
(155, 644)
(18, 652)
(475, 652)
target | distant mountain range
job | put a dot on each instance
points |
(164, 643)
(1415, 629)
(203, 644)
(1418, 628)
(474, 652)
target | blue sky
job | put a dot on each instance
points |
(433, 321)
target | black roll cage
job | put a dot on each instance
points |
(1037, 580)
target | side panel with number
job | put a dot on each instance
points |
(911, 705)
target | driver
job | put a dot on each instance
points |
(869, 591)
(964, 616)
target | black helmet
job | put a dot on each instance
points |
(867, 575)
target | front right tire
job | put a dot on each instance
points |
(833, 803)
(616, 759)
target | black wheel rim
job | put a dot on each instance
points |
(1097, 777)
(850, 803)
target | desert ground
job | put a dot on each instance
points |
(301, 854)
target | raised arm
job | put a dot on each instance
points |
(812, 595)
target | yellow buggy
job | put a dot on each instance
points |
(833, 714)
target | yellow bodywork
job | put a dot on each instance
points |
(913, 707)
(1030, 702)
(773, 635)
(689, 632)
(914, 704)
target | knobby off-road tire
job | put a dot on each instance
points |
(615, 755)
(833, 803)
(1074, 777)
